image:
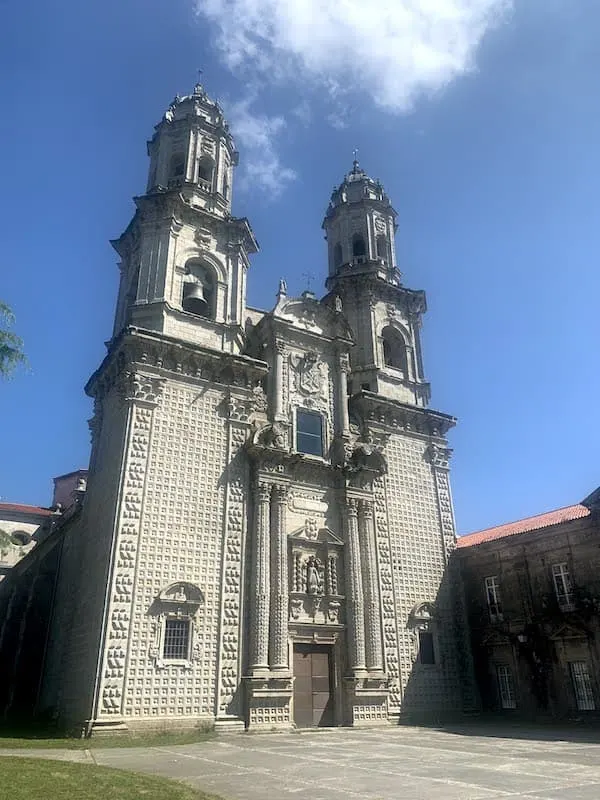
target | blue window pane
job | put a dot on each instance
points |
(309, 438)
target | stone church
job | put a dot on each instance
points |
(266, 534)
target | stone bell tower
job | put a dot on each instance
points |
(184, 258)
(385, 316)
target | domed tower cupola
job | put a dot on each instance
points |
(193, 152)
(359, 225)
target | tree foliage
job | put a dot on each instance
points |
(11, 345)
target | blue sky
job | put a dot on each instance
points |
(481, 117)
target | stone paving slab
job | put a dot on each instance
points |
(382, 764)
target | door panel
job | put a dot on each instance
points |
(313, 700)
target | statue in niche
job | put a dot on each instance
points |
(314, 576)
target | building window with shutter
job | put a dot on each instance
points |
(563, 586)
(582, 686)
(494, 603)
(506, 686)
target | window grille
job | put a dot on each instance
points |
(492, 593)
(563, 586)
(177, 639)
(582, 686)
(506, 687)
(309, 433)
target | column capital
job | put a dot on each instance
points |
(365, 505)
(280, 492)
(263, 490)
(352, 504)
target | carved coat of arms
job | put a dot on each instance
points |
(310, 373)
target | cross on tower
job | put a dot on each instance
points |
(309, 279)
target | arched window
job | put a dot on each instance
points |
(394, 349)
(382, 247)
(177, 166)
(206, 168)
(358, 245)
(199, 290)
(337, 255)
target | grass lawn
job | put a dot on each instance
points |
(34, 779)
(32, 740)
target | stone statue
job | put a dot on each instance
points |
(313, 578)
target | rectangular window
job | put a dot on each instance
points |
(177, 639)
(492, 593)
(426, 651)
(563, 586)
(309, 433)
(582, 686)
(506, 687)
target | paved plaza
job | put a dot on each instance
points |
(383, 764)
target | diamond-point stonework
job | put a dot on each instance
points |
(268, 514)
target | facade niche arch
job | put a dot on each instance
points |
(359, 247)
(394, 350)
(199, 289)
(206, 169)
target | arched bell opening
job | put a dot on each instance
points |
(358, 245)
(206, 169)
(394, 350)
(199, 290)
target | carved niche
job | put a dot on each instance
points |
(316, 575)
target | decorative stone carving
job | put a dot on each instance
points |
(310, 375)
(135, 386)
(366, 455)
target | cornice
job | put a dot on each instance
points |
(170, 357)
(396, 416)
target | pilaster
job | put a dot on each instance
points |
(261, 587)
(141, 393)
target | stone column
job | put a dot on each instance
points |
(373, 644)
(279, 582)
(343, 368)
(277, 388)
(259, 620)
(354, 590)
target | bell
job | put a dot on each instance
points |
(194, 300)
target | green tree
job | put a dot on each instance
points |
(11, 345)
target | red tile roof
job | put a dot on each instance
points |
(524, 525)
(11, 508)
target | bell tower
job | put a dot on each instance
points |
(184, 257)
(360, 225)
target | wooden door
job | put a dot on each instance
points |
(313, 700)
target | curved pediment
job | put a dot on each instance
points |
(308, 314)
(182, 592)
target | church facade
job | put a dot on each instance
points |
(266, 536)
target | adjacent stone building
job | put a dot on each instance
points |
(533, 595)
(265, 539)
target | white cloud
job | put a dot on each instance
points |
(394, 50)
(262, 167)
